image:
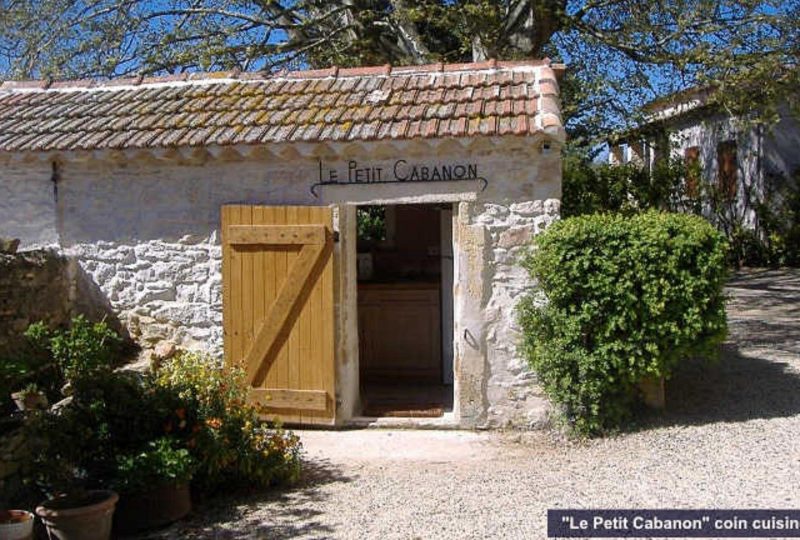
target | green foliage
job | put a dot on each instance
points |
(371, 223)
(589, 188)
(13, 374)
(130, 431)
(108, 414)
(624, 298)
(81, 350)
(54, 357)
(31, 389)
(774, 238)
(162, 462)
(100, 412)
(126, 430)
(232, 446)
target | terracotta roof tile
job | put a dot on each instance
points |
(520, 124)
(381, 102)
(143, 138)
(329, 131)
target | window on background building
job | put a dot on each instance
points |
(728, 168)
(691, 159)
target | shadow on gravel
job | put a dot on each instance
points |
(736, 389)
(278, 513)
(758, 374)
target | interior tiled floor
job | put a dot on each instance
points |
(406, 399)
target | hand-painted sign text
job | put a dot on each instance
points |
(400, 171)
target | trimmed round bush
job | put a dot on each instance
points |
(620, 299)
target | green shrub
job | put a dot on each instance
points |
(232, 446)
(622, 298)
(371, 223)
(772, 239)
(592, 187)
(162, 462)
(107, 415)
(79, 350)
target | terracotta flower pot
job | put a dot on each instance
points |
(152, 509)
(16, 525)
(85, 518)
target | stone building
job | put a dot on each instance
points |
(350, 236)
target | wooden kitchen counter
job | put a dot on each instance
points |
(400, 333)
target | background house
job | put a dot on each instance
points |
(749, 163)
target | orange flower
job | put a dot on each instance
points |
(214, 423)
(181, 413)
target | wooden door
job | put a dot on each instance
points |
(277, 273)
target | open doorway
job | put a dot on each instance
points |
(405, 310)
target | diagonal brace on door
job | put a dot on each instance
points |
(283, 312)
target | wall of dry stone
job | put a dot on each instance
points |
(34, 286)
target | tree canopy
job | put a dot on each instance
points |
(620, 53)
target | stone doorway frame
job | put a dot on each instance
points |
(469, 351)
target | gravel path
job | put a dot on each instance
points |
(730, 439)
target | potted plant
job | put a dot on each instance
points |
(30, 398)
(61, 450)
(69, 445)
(154, 486)
(79, 515)
(16, 525)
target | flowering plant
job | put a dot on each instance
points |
(222, 431)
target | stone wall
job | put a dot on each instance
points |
(512, 397)
(34, 285)
(162, 289)
(144, 233)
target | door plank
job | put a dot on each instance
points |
(261, 265)
(261, 349)
(246, 285)
(227, 307)
(237, 317)
(270, 234)
(281, 398)
(293, 337)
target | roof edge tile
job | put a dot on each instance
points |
(333, 72)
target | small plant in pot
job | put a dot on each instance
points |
(154, 486)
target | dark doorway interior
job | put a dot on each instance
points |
(403, 370)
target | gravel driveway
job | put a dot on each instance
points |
(731, 439)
